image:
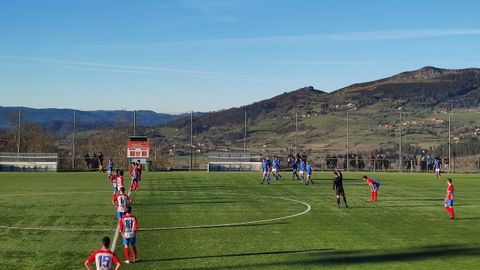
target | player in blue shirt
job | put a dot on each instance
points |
(276, 168)
(295, 169)
(301, 169)
(266, 168)
(309, 170)
(437, 165)
(110, 168)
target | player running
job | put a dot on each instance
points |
(437, 165)
(309, 171)
(128, 228)
(295, 169)
(276, 168)
(374, 186)
(449, 199)
(121, 201)
(266, 168)
(301, 169)
(338, 188)
(103, 258)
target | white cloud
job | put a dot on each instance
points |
(345, 36)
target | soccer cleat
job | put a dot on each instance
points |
(127, 261)
(338, 205)
(346, 206)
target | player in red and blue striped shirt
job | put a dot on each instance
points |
(128, 228)
(103, 258)
(374, 186)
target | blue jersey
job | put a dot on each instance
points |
(266, 165)
(276, 164)
(110, 166)
(437, 164)
(294, 165)
(309, 169)
(302, 166)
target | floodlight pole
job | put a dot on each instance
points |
(400, 145)
(134, 123)
(73, 139)
(19, 134)
(449, 139)
(296, 131)
(245, 136)
(191, 140)
(347, 157)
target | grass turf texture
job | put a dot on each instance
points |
(408, 227)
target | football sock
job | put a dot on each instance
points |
(127, 256)
(134, 252)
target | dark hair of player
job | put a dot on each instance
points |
(121, 172)
(449, 180)
(365, 177)
(129, 209)
(106, 241)
(122, 189)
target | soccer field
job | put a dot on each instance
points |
(229, 221)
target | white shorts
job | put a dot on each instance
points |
(300, 172)
(274, 170)
(437, 170)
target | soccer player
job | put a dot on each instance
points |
(113, 179)
(437, 165)
(121, 201)
(110, 168)
(301, 170)
(103, 257)
(338, 188)
(374, 185)
(134, 174)
(276, 168)
(128, 228)
(140, 169)
(449, 199)
(266, 168)
(120, 180)
(309, 170)
(295, 169)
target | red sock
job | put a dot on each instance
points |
(127, 256)
(452, 213)
(134, 252)
(375, 196)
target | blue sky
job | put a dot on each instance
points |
(204, 55)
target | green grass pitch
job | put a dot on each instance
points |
(407, 229)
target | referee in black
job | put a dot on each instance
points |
(338, 187)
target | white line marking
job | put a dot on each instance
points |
(236, 223)
(117, 230)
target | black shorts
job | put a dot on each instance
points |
(339, 191)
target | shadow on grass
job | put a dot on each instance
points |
(327, 257)
(237, 255)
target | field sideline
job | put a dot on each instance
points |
(205, 220)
